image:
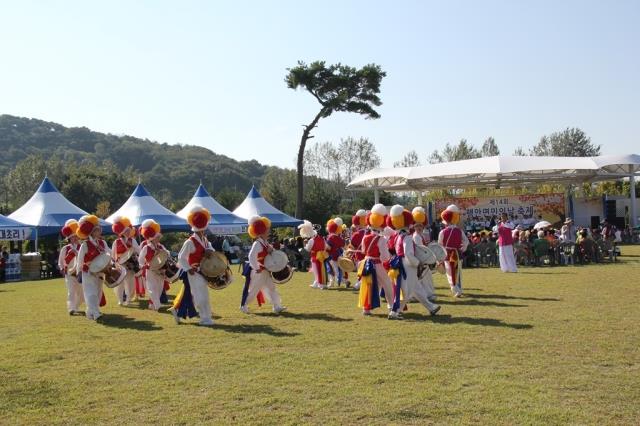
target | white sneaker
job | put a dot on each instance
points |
(278, 309)
(244, 309)
(393, 315)
(314, 285)
(176, 318)
(435, 310)
(206, 322)
(321, 286)
(357, 286)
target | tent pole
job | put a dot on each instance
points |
(36, 247)
(376, 192)
(633, 220)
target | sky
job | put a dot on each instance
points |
(212, 73)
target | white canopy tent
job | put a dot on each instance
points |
(223, 222)
(47, 210)
(254, 204)
(503, 171)
(141, 206)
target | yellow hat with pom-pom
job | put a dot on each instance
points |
(150, 229)
(86, 225)
(258, 225)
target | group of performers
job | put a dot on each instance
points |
(136, 274)
(384, 247)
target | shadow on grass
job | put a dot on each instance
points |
(122, 321)
(449, 320)
(552, 270)
(252, 329)
(505, 297)
(318, 316)
(474, 302)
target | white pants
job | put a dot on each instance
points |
(384, 282)
(155, 285)
(74, 292)
(507, 259)
(427, 284)
(334, 274)
(457, 280)
(200, 293)
(92, 289)
(411, 288)
(127, 286)
(262, 281)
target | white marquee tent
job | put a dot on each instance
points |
(47, 210)
(254, 204)
(141, 206)
(223, 222)
(502, 171)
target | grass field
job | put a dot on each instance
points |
(544, 346)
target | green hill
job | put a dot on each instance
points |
(173, 171)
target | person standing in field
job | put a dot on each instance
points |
(505, 243)
(67, 255)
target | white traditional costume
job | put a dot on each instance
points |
(124, 245)
(505, 245)
(371, 270)
(319, 253)
(358, 223)
(150, 231)
(403, 268)
(68, 254)
(89, 230)
(423, 238)
(196, 288)
(259, 279)
(455, 242)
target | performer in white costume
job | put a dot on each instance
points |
(68, 254)
(260, 279)
(455, 243)
(189, 259)
(371, 271)
(122, 245)
(403, 268)
(422, 237)
(89, 230)
(505, 244)
(150, 231)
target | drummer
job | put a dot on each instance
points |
(404, 265)
(259, 279)
(154, 278)
(193, 298)
(455, 243)
(66, 260)
(371, 270)
(422, 238)
(358, 224)
(124, 246)
(335, 242)
(90, 231)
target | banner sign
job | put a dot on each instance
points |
(525, 210)
(228, 229)
(14, 234)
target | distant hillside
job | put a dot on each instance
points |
(174, 170)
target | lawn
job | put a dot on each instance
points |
(544, 346)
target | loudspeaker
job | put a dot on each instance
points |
(610, 210)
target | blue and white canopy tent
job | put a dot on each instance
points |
(254, 204)
(223, 222)
(142, 206)
(47, 211)
(11, 230)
